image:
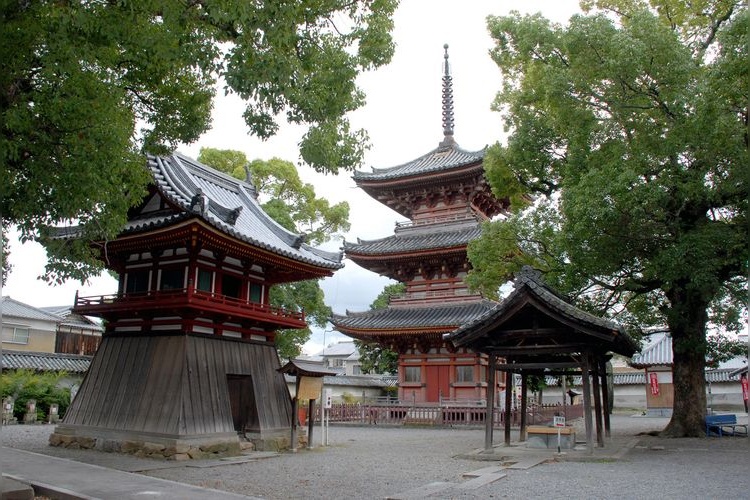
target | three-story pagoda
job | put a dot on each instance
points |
(446, 197)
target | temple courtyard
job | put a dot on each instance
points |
(397, 462)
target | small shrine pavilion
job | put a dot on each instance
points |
(536, 331)
(446, 197)
(187, 365)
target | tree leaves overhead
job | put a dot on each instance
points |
(628, 133)
(289, 201)
(87, 87)
(295, 206)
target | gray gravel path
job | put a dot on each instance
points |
(381, 462)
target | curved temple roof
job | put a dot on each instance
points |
(488, 329)
(229, 205)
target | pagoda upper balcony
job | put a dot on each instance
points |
(188, 303)
(434, 296)
(444, 220)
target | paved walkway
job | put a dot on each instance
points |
(63, 478)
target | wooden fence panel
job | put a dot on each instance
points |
(399, 414)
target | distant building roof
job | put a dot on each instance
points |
(45, 361)
(657, 351)
(639, 377)
(74, 320)
(344, 348)
(15, 309)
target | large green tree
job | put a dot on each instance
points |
(294, 205)
(373, 357)
(628, 162)
(86, 87)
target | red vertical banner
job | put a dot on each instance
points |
(744, 388)
(654, 383)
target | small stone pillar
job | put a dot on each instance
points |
(30, 416)
(8, 418)
(54, 413)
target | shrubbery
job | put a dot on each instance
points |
(23, 385)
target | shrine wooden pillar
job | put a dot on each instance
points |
(508, 399)
(524, 395)
(597, 401)
(488, 420)
(605, 395)
(587, 404)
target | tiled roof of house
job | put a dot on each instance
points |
(413, 317)
(228, 204)
(45, 361)
(74, 320)
(12, 308)
(442, 158)
(657, 351)
(431, 237)
(345, 348)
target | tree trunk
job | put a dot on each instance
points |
(687, 319)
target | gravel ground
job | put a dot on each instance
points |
(381, 462)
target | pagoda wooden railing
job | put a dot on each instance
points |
(177, 298)
(438, 219)
(395, 413)
(441, 295)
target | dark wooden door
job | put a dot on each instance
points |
(242, 401)
(437, 382)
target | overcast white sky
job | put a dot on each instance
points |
(402, 117)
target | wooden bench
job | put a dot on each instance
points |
(721, 425)
(540, 436)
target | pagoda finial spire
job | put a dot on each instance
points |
(447, 102)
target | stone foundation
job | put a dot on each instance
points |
(149, 449)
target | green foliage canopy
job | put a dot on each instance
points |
(86, 87)
(627, 162)
(295, 206)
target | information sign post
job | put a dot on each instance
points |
(559, 423)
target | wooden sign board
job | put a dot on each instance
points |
(309, 388)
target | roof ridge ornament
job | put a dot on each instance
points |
(447, 103)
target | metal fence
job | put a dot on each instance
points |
(395, 413)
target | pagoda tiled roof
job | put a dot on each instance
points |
(230, 205)
(443, 158)
(393, 319)
(424, 238)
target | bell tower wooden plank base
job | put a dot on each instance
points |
(176, 395)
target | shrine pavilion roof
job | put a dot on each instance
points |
(533, 301)
(228, 204)
(395, 320)
(417, 239)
